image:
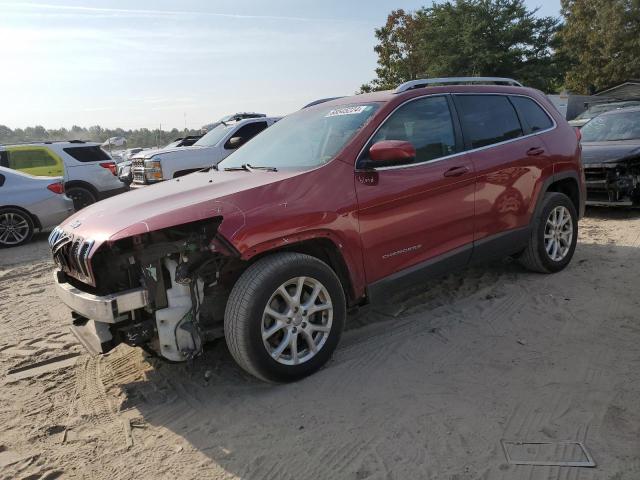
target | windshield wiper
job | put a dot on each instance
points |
(248, 167)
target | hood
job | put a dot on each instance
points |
(609, 152)
(146, 154)
(186, 199)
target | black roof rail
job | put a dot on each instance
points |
(319, 101)
(429, 82)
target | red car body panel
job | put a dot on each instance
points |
(382, 221)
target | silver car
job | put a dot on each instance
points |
(28, 203)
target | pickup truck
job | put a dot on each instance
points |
(153, 166)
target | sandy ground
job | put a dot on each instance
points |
(424, 387)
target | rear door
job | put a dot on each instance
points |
(509, 158)
(420, 211)
(38, 161)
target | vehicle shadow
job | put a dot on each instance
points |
(35, 250)
(612, 213)
(425, 391)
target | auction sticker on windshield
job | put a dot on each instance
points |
(348, 110)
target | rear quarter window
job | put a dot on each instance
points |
(532, 114)
(87, 154)
(487, 119)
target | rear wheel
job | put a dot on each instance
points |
(284, 317)
(554, 235)
(81, 197)
(16, 227)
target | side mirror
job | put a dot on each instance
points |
(391, 152)
(235, 142)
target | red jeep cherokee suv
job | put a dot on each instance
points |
(325, 210)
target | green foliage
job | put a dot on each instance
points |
(142, 137)
(468, 38)
(601, 40)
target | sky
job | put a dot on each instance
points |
(147, 63)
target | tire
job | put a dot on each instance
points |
(540, 254)
(246, 320)
(81, 196)
(16, 227)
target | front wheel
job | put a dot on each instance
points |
(554, 234)
(284, 317)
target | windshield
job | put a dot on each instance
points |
(605, 107)
(305, 139)
(617, 126)
(214, 136)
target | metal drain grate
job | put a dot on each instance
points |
(559, 454)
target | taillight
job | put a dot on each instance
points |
(578, 133)
(57, 187)
(111, 166)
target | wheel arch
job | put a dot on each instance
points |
(325, 249)
(84, 184)
(567, 183)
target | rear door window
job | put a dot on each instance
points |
(37, 161)
(532, 114)
(487, 119)
(88, 154)
(27, 159)
(246, 132)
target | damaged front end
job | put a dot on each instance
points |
(164, 291)
(613, 183)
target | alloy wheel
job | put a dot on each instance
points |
(14, 228)
(558, 233)
(297, 321)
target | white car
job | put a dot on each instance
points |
(89, 172)
(154, 166)
(28, 203)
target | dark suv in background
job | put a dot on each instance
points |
(327, 209)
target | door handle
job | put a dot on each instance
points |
(456, 171)
(533, 151)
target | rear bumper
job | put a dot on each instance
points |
(104, 309)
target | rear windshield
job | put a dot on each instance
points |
(88, 154)
(616, 126)
(305, 139)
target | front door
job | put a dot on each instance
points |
(415, 214)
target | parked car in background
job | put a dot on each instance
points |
(153, 166)
(611, 157)
(598, 108)
(89, 172)
(330, 208)
(29, 203)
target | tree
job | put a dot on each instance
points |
(601, 40)
(468, 38)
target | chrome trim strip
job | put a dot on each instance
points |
(457, 154)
